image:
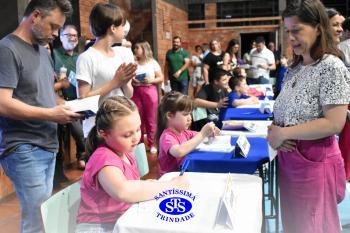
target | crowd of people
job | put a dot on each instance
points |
(312, 97)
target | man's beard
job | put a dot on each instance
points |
(70, 46)
(38, 39)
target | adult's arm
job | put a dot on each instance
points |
(122, 79)
(183, 68)
(206, 73)
(205, 103)
(16, 109)
(332, 123)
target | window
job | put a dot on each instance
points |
(246, 9)
(196, 12)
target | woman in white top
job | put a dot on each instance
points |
(148, 75)
(102, 69)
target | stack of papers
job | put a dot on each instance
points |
(87, 106)
(220, 143)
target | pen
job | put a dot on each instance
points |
(184, 167)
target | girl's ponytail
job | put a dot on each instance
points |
(92, 142)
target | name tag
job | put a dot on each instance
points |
(225, 215)
(265, 108)
(249, 126)
(242, 147)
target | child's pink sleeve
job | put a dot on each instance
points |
(103, 158)
(168, 140)
(192, 133)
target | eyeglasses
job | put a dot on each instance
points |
(71, 35)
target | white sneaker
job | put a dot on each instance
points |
(153, 150)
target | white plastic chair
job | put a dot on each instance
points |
(59, 212)
(141, 159)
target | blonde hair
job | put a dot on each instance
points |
(107, 114)
(146, 48)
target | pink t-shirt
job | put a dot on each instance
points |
(169, 138)
(96, 206)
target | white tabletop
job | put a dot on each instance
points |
(260, 132)
(208, 188)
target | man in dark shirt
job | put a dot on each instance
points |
(28, 111)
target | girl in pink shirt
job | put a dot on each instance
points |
(174, 139)
(110, 182)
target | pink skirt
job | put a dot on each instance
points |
(312, 183)
(344, 144)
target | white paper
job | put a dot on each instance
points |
(242, 142)
(80, 105)
(265, 105)
(220, 143)
(225, 214)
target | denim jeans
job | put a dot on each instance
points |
(181, 86)
(31, 170)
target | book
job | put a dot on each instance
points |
(87, 106)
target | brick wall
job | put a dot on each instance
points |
(84, 10)
(167, 28)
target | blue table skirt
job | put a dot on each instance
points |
(243, 114)
(219, 162)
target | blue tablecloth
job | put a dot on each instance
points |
(263, 97)
(243, 114)
(219, 162)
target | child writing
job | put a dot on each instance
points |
(239, 95)
(174, 139)
(110, 182)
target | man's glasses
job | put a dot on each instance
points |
(71, 35)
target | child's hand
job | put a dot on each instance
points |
(222, 103)
(208, 130)
(180, 182)
(216, 131)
